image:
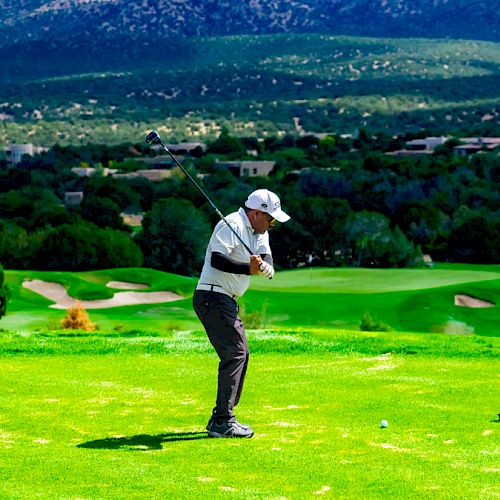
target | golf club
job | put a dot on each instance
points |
(154, 138)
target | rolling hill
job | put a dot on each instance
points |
(254, 86)
(406, 299)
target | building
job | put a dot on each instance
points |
(132, 220)
(90, 171)
(419, 147)
(156, 162)
(247, 168)
(73, 197)
(182, 148)
(154, 175)
(473, 145)
(15, 152)
(401, 153)
(427, 144)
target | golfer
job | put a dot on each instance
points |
(225, 277)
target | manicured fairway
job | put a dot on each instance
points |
(358, 280)
(107, 417)
(421, 300)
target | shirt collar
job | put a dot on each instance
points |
(245, 218)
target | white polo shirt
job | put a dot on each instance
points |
(225, 242)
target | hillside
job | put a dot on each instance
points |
(254, 85)
(100, 22)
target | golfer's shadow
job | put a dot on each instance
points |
(142, 442)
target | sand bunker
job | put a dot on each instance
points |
(58, 294)
(125, 285)
(467, 301)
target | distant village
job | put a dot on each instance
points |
(161, 166)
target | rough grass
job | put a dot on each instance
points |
(103, 416)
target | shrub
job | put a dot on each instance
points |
(253, 320)
(3, 294)
(77, 319)
(368, 324)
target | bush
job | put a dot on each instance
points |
(77, 319)
(368, 324)
(253, 320)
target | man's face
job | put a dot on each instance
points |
(261, 221)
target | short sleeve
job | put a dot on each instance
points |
(263, 246)
(224, 241)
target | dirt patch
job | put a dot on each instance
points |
(468, 301)
(125, 285)
(58, 294)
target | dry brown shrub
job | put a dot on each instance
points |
(77, 319)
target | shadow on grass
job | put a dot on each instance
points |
(142, 442)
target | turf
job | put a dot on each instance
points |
(110, 417)
(406, 299)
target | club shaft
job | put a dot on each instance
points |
(212, 204)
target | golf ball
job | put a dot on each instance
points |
(384, 424)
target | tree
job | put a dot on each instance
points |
(3, 294)
(18, 246)
(84, 246)
(323, 220)
(103, 212)
(476, 240)
(116, 190)
(291, 244)
(174, 237)
(374, 244)
(226, 144)
(117, 249)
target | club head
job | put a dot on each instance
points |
(153, 137)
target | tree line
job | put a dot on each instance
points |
(351, 205)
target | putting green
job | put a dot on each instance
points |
(342, 280)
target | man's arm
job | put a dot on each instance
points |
(267, 258)
(223, 263)
(226, 265)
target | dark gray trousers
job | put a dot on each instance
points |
(219, 315)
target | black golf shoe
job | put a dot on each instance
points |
(228, 429)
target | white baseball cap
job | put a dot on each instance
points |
(266, 201)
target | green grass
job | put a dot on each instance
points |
(406, 299)
(420, 300)
(28, 310)
(107, 417)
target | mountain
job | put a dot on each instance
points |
(96, 22)
(78, 71)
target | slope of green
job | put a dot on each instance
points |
(29, 310)
(405, 299)
(359, 280)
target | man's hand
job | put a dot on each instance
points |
(255, 262)
(266, 270)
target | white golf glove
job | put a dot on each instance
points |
(266, 270)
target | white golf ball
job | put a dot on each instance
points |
(384, 424)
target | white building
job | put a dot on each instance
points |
(15, 152)
(247, 168)
(427, 144)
